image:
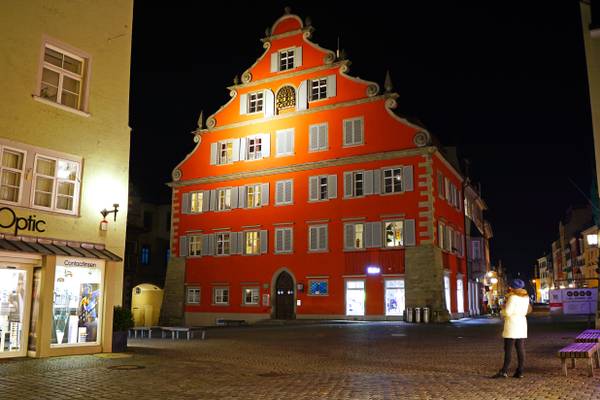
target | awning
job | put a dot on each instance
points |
(28, 244)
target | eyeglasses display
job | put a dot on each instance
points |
(12, 309)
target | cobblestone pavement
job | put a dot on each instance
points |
(380, 360)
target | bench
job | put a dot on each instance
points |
(188, 330)
(589, 336)
(141, 330)
(579, 350)
(230, 322)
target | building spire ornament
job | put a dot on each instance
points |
(201, 120)
(236, 80)
(388, 85)
(287, 10)
(307, 21)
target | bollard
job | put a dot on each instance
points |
(409, 315)
(417, 314)
(426, 315)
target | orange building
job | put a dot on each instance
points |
(306, 196)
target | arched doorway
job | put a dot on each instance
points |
(284, 296)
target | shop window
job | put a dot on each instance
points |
(13, 303)
(394, 297)
(221, 295)
(251, 296)
(318, 287)
(193, 295)
(77, 303)
(393, 234)
(145, 255)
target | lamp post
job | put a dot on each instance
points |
(592, 241)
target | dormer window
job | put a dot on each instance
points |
(286, 59)
(255, 102)
(318, 89)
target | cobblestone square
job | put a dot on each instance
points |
(362, 360)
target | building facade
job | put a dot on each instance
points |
(543, 279)
(307, 196)
(64, 139)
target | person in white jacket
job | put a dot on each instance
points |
(515, 327)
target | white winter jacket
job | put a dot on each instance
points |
(515, 320)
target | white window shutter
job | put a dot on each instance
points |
(287, 195)
(323, 140)
(279, 143)
(289, 141)
(279, 189)
(376, 181)
(358, 131)
(243, 148)
(323, 237)
(205, 245)
(331, 86)
(313, 137)
(368, 182)
(233, 243)
(234, 197)
(348, 236)
(368, 234)
(302, 96)
(312, 233)
(244, 104)
(332, 186)
(297, 57)
(240, 242)
(269, 107)
(183, 246)
(242, 197)
(313, 188)
(377, 233)
(205, 200)
(263, 241)
(213, 153)
(185, 203)
(409, 232)
(266, 145)
(264, 188)
(275, 61)
(213, 200)
(348, 135)
(278, 240)
(287, 239)
(235, 151)
(407, 178)
(348, 184)
(211, 244)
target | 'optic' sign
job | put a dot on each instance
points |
(8, 219)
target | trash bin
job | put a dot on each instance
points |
(426, 315)
(417, 314)
(409, 315)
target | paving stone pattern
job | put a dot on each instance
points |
(315, 361)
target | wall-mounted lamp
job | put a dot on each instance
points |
(105, 212)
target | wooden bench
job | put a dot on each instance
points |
(589, 336)
(579, 350)
(188, 330)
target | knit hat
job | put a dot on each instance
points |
(517, 284)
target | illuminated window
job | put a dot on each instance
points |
(13, 166)
(221, 295)
(286, 59)
(145, 255)
(195, 245)
(393, 234)
(224, 199)
(251, 296)
(318, 287)
(196, 201)
(286, 97)
(254, 151)
(253, 196)
(223, 243)
(255, 102)
(193, 295)
(63, 75)
(354, 236)
(56, 184)
(392, 180)
(353, 131)
(317, 238)
(318, 89)
(225, 152)
(252, 242)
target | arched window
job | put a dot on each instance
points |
(286, 97)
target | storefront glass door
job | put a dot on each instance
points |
(355, 298)
(394, 297)
(14, 310)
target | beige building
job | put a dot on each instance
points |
(64, 144)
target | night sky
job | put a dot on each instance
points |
(505, 84)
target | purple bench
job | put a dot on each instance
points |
(589, 336)
(579, 350)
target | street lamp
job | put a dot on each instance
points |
(592, 241)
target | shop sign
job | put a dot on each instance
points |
(9, 220)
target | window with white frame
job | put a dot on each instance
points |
(354, 236)
(286, 59)
(224, 199)
(225, 152)
(193, 295)
(254, 196)
(317, 238)
(252, 242)
(196, 201)
(284, 191)
(251, 296)
(195, 245)
(322, 187)
(353, 131)
(393, 235)
(284, 142)
(56, 184)
(223, 240)
(254, 147)
(255, 102)
(11, 180)
(317, 137)
(318, 287)
(221, 295)
(318, 89)
(322, 190)
(392, 180)
(63, 77)
(283, 240)
(358, 183)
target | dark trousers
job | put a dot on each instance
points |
(519, 344)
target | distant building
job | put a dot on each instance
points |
(544, 278)
(589, 270)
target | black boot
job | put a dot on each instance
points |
(500, 374)
(518, 374)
